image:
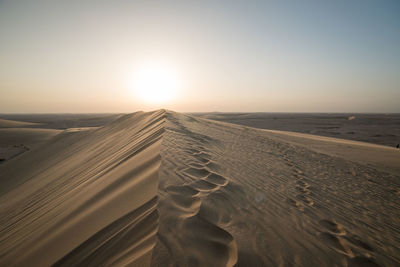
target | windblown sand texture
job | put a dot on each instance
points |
(168, 189)
(84, 198)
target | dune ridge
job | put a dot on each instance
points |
(169, 189)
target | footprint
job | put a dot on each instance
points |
(356, 240)
(305, 199)
(203, 185)
(298, 171)
(333, 227)
(184, 190)
(212, 165)
(336, 243)
(188, 204)
(203, 155)
(296, 204)
(215, 242)
(303, 190)
(196, 165)
(202, 160)
(215, 212)
(197, 172)
(289, 163)
(216, 179)
(201, 148)
(192, 150)
(295, 175)
(303, 184)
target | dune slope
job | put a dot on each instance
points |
(231, 194)
(14, 141)
(84, 197)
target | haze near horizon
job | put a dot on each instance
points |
(124, 56)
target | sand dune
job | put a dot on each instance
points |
(168, 189)
(56, 121)
(381, 157)
(83, 193)
(30, 137)
(15, 141)
(231, 195)
(380, 129)
(14, 124)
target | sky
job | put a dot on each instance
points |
(229, 56)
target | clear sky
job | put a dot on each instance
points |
(273, 56)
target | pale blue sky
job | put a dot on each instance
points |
(284, 56)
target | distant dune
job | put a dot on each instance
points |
(382, 129)
(15, 141)
(14, 124)
(31, 137)
(56, 121)
(168, 189)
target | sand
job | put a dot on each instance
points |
(22, 132)
(169, 189)
(15, 141)
(14, 124)
(382, 129)
(90, 190)
(58, 121)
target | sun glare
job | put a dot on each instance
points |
(155, 83)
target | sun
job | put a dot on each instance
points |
(155, 83)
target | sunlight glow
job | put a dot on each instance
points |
(156, 83)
